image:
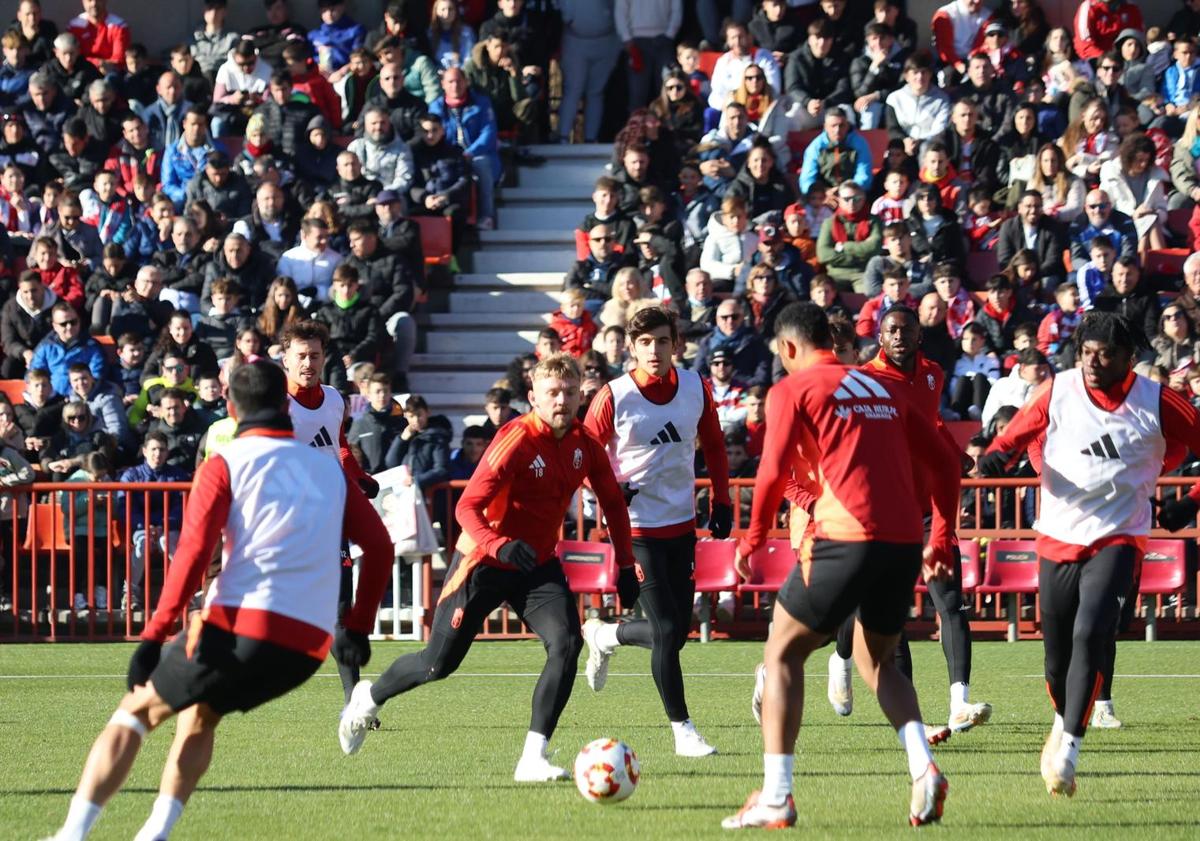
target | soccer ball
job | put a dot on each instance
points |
(606, 771)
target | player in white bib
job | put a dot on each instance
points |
(318, 416)
(1100, 432)
(649, 421)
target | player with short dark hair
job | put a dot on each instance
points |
(1098, 435)
(868, 458)
(268, 620)
(649, 420)
(511, 513)
(901, 364)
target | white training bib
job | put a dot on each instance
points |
(320, 427)
(1099, 468)
(654, 449)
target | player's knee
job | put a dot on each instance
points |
(666, 634)
(566, 647)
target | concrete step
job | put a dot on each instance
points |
(502, 303)
(555, 151)
(489, 320)
(459, 362)
(534, 217)
(547, 193)
(527, 236)
(495, 260)
(582, 173)
(502, 343)
(467, 383)
(547, 281)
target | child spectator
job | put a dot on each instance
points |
(895, 291)
(816, 205)
(1025, 336)
(155, 518)
(799, 234)
(754, 401)
(465, 459)
(974, 373)
(106, 210)
(574, 324)
(689, 62)
(1054, 333)
(39, 414)
(377, 428)
(729, 246)
(548, 343)
(218, 329)
(606, 197)
(1094, 275)
(131, 355)
(92, 531)
(894, 205)
(983, 221)
(360, 374)
(612, 345)
(1002, 313)
(336, 37)
(497, 404)
(960, 306)
(59, 278)
(210, 402)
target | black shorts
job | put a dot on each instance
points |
(227, 671)
(874, 578)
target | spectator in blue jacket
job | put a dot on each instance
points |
(837, 154)
(336, 37)
(183, 160)
(15, 71)
(164, 116)
(471, 125)
(65, 346)
(1180, 86)
(47, 111)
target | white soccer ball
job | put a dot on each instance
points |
(606, 771)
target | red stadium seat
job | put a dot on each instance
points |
(581, 245)
(1012, 570)
(589, 567)
(14, 390)
(1166, 261)
(708, 60)
(970, 568)
(769, 567)
(1164, 572)
(798, 141)
(980, 266)
(963, 431)
(877, 140)
(714, 573)
(1177, 221)
(45, 531)
(437, 239)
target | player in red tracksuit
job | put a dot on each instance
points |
(901, 364)
(872, 456)
(1101, 435)
(511, 513)
(268, 619)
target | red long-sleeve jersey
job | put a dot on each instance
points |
(103, 41)
(207, 514)
(865, 446)
(522, 488)
(1180, 423)
(661, 390)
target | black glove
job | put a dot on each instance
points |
(993, 464)
(628, 586)
(143, 662)
(370, 487)
(720, 521)
(351, 648)
(629, 492)
(519, 554)
(1176, 514)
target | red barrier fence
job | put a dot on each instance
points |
(71, 548)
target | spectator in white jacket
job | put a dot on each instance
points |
(311, 263)
(728, 71)
(730, 244)
(1032, 369)
(918, 111)
(647, 28)
(1138, 189)
(385, 157)
(975, 371)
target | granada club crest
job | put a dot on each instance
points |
(577, 460)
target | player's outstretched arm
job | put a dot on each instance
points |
(491, 476)
(1181, 429)
(937, 460)
(203, 520)
(361, 525)
(1026, 428)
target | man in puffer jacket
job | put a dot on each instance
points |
(226, 191)
(385, 157)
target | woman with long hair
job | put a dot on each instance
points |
(628, 285)
(1137, 188)
(681, 111)
(1027, 22)
(1062, 69)
(450, 38)
(1185, 159)
(1062, 193)
(1176, 344)
(327, 212)
(281, 309)
(770, 113)
(179, 338)
(1019, 144)
(935, 229)
(208, 224)
(1087, 143)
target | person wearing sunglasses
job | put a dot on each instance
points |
(849, 238)
(735, 65)
(1101, 218)
(80, 434)
(595, 273)
(65, 345)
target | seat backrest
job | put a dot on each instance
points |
(1164, 568)
(14, 390)
(1168, 261)
(969, 549)
(798, 141)
(581, 245)
(708, 60)
(714, 565)
(45, 531)
(877, 142)
(437, 239)
(772, 564)
(1012, 563)
(589, 567)
(980, 266)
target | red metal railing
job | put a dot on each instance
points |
(63, 538)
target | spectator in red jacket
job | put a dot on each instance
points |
(103, 38)
(307, 80)
(895, 291)
(1098, 22)
(574, 324)
(957, 32)
(60, 279)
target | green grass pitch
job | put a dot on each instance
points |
(442, 765)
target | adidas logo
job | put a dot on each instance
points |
(321, 439)
(538, 466)
(856, 384)
(667, 435)
(1104, 447)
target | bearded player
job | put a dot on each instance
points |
(511, 513)
(1103, 432)
(649, 420)
(268, 619)
(318, 415)
(871, 454)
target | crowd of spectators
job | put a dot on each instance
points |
(166, 217)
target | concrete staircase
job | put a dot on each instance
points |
(496, 310)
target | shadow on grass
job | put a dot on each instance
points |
(282, 788)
